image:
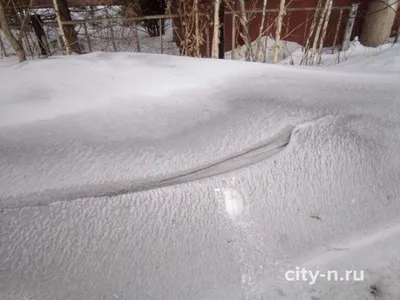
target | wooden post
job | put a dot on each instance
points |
(349, 26)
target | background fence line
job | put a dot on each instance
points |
(128, 34)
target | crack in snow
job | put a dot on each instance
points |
(273, 146)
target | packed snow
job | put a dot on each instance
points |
(138, 176)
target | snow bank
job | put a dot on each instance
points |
(265, 46)
(291, 53)
(356, 52)
(103, 193)
(374, 60)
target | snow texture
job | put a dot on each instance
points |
(134, 176)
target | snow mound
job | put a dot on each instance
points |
(133, 176)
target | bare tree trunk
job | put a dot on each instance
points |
(186, 25)
(278, 31)
(337, 31)
(160, 22)
(196, 29)
(233, 51)
(349, 27)
(261, 32)
(87, 37)
(25, 16)
(266, 50)
(2, 48)
(318, 32)
(24, 19)
(215, 43)
(245, 24)
(208, 40)
(311, 33)
(326, 21)
(15, 43)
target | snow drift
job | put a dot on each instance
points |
(101, 196)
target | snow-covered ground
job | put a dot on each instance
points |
(291, 53)
(138, 176)
(356, 52)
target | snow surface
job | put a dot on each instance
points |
(135, 176)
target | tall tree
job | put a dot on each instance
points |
(279, 30)
(215, 42)
(246, 36)
(5, 27)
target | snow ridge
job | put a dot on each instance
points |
(273, 146)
